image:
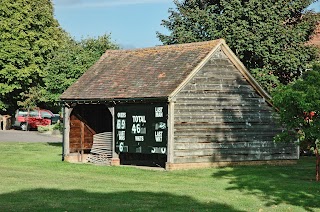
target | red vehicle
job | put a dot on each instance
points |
(34, 118)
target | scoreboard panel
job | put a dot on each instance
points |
(141, 128)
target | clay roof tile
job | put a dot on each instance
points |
(139, 73)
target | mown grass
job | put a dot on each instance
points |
(33, 178)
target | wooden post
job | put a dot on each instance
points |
(115, 160)
(170, 146)
(66, 131)
(1, 122)
(82, 140)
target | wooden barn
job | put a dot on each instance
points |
(179, 106)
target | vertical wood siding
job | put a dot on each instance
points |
(220, 117)
(81, 136)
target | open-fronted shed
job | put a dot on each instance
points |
(178, 106)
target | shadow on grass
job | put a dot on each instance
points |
(293, 185)
(55, 144)
(80, 200)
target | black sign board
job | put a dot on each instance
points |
(141, 128)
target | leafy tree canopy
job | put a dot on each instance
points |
(70, 61)
(299, 107)
(268, 36)
(38, 60)
(28, 35)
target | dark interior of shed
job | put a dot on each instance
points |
(96, 116)
(87, 120)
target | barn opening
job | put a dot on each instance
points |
(87, 121)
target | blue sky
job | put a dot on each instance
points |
(132, 23)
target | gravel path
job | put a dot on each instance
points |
(27, 136)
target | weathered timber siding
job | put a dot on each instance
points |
(80, 136)
(218, 116)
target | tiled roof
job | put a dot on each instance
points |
(315, 39)
(139, 73)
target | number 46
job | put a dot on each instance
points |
(136, 128)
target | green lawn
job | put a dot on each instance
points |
(33, 178)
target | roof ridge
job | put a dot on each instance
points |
(149, 50)
(164, 47)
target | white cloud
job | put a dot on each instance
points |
(103, 3)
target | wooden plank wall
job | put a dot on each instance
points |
(81, 136)
(220, 117)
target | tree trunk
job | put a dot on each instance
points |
(317, 165)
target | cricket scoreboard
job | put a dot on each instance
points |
(141, 128)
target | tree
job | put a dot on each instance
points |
(268, 36)
(38, 60)
(28, 35)
(69, 62)
(299, 109)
